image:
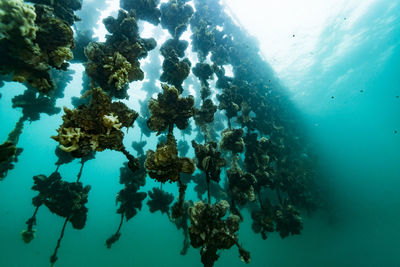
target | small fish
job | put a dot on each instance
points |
(397, 96)
(395, 131)
(332, 97)
(344, 18)
(294, 35)
(361, 91)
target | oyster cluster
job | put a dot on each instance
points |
(95, 127)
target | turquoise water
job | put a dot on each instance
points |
(351, 114)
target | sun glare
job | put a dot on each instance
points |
(289, 30)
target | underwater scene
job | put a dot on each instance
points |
(199, 133)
